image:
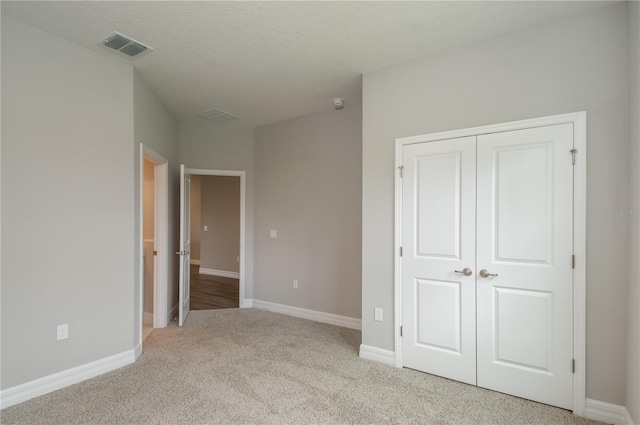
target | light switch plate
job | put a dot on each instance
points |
(273, 234)
(377, 314)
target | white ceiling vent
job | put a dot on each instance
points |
(125, 45)
(216, 115)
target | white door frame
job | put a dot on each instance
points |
(579, 121)
(242, 175)
(161, 239)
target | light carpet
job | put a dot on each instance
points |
(256, 367)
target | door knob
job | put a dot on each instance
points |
(485, 273)
(466, 271)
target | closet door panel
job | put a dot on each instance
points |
(524, 244)
(438, 195)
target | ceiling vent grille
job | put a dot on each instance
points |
(216, 115)
(125, 45)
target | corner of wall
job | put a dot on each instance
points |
(633, 296)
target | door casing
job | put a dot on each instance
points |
(242, 175)
(579, 121)
(161, 237)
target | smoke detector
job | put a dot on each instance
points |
(216, 115)
(338, 103)
(125, 45)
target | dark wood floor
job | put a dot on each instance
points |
(212, 292)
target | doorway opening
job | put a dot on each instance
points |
(153, 247)
(218, 265)
(148, 246)
(215, 242)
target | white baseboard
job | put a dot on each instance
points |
(56, 381)
(195, 262)
(628, 420)
(379, 355)
(607, 412)
(247, 303)
(137, 351)
(147, 318)
(173, 312)
(221, 273)
(318, 316)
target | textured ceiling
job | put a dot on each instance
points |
(269, 61)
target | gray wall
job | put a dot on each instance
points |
(633, 332)
(196, 213)
(223, 146)
(572, 64)
(67, 204)
(308, 188)
(220, 244)
(156, 128)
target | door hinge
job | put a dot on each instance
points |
(573, 261)
(155, 252)
(573, 155)
(400, 330)
(401, 251)
(573, 365)
(401, 171)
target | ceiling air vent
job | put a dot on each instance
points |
(125, 45)
(216, 115)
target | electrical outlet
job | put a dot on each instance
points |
(206, 228)
(295, 284)
(377, 314)
(63, 332)
(273, 233)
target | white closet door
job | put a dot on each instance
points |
(525, 222)
(438, 203)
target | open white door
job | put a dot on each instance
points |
(185, 245)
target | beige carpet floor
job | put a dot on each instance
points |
(256, 367)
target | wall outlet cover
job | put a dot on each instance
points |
(62, 332)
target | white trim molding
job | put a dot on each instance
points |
(221, 273)
(173, 312)
(161, 239)
(379, 355)
(195, 262)
(628, 420)
(303, 313)
(607, 412)
(59, 380)
(137, 350)
(579, 121)
(248, 303)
